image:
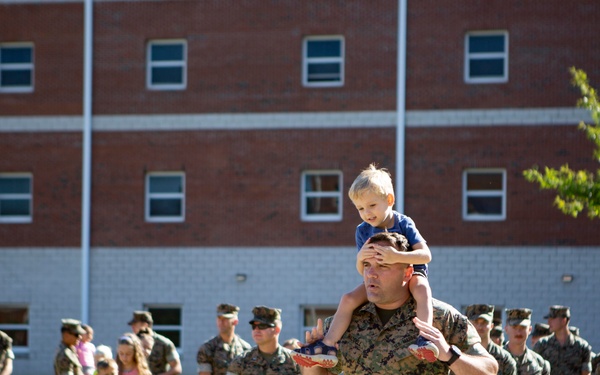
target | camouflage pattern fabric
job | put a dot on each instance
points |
(163, 352)
(531, 363)
(66, 361)
(5, 349)
(215, 355)
(253, 363)
(573, 358)
(368, 347)
(506, 362)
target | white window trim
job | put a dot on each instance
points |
(179, 328)
(485, 56)
(18, 66)
(303, 308)
(321, 194)
(484, 193)
(172, 63)
(18, 350)
(306, 61)
(19, 219)
(149, 196)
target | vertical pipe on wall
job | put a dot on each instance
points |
(86, 160)
(401, 104)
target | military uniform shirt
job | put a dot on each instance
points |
(368, 347)
(506, 362)
(163, 352)
(66, 361)
(5, 350)
(215, 355)
(531, 363)
(252, 362)
(573, 358)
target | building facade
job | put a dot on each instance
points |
(225, 136)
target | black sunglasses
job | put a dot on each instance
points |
(261, 326)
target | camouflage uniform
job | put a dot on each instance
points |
(506, 362)
(66, 361)
(253, 362)
(368, 347)
(5, 350)
(163, 352)
(531, 363)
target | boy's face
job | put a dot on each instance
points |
(108, 371)
(375, 209)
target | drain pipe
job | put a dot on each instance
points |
(401, 104)
(86, 160)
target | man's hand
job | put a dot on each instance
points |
(435, 336)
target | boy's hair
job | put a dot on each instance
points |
(395, 239)
(108, 363)
(377, 180)
(103, 350)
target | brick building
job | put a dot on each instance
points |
(225, 135)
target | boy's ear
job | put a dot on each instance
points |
(390, 199)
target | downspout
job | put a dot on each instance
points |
(86, 160)
(401, 104)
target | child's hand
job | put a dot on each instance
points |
(385, 254)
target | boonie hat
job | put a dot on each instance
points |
(518, 317)
(558, 311)
(266, 315)
(475, 312)
(141, 316)
(227, 311)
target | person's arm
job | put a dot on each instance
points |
(8, 367)
(475, 361)
(175, 367)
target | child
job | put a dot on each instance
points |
(86, 350)
(372, 194)
(107, 367)
(130, 356)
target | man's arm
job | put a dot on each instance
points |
(175, 367)
(8, 367)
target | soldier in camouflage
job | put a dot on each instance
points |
(163, 359)
(568, 354)
(482, 316)
(497, 334)
(66, 361)
(6, 354)
(381, 331)
(215, 355)
(518, 328)
(267, 357)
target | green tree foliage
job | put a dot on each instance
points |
(576, 190)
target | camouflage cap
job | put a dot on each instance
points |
(227, 311)
(266, 315)
(496, 331)
(518, 317)
(574, 330)
(72, 326)
(540, 329)
(475, 312)
(141, 316)
(558, 311)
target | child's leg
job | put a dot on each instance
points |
(341, 320)
(421, 291)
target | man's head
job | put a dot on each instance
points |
(387, 284)
(558, 318)
(497, 334)
(482, 317)
(266, 325)
(372, 193)
(141, 320)
(71, 331)
(518, 325)
(227, 318)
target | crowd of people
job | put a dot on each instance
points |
(388, 324)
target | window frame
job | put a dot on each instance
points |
(174, 195)
(14, 196)
(150, 64)
(18, 66)
(163, 327)
(17, 349)
(306, 60)
(484, 193)
(486, 55)
(313, 311)
(304, 195)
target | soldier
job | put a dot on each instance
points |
(6, 354)
(216, 354)
(518, 328)
(268, 357)
(481, 316)
(163, 358)
(568, 354)
(65, 360)
(539, 330)
(497, 334)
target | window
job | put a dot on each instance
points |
(486, 59)
(16, 67)
(321, 196)
(484, 194)
(323, 61)
(165, 197)
(15, 198)
(310, 314)
(167, 65)
(14, 321)
(167, 322)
